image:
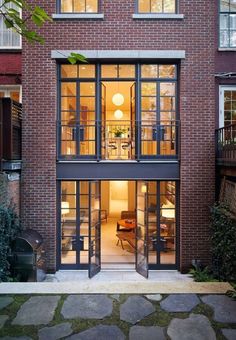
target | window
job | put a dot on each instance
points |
(78, 98)
(13, 92)
(156, 6)
(117, 111)
(227, 105)
(8, 38)
(79, 6)
(228, 23)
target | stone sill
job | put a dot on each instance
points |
(225, 49)
(72, 16)
(122, 54)
(10, 48)
(151, 16)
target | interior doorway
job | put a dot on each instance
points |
(117, 204)
(118, 119)
(107, 223)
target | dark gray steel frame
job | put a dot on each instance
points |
(157, 266)
(138, 81)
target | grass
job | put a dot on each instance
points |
(158, 318)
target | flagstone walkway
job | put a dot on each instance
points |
(118, 317)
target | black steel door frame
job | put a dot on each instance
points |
(79, 266)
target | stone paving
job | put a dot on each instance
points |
(87, 307)
(118, 317)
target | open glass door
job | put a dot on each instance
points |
(142, 229)
(133, 122)
(94, 228)
(103, 122)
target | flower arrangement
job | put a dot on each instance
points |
(119, 131)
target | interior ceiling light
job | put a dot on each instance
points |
(118, 114)
(118, 99)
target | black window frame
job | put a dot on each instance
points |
(228, 13)
(138, 79)
(176, 8)
(78, 265)
(85, 13)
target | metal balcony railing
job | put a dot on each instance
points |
(118, 140)
(226, 145)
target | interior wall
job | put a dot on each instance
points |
(105, 196)
(112, 88)
(118, 197)
(131, 195)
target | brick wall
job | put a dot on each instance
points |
(10, 68)
(195, 34)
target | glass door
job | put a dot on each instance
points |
(133, 120)
(103, 121)
(94, 228)
(142, 229)
(227, 115)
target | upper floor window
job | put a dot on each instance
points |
(79, 6)
(117, 111)
(8, 37)
(157, 6)
(228, 23)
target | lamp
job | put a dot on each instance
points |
(168, 210)
(118, 114)
(144, 188)
(118, 99)
(65, 207)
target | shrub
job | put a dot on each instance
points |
(223, 225)
(202, 274)
(10, 227)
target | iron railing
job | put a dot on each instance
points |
(226, 144)
(118, 140)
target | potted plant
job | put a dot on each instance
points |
(119, 131)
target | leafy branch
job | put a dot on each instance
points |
(11, 11)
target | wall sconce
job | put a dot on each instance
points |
(118, 99)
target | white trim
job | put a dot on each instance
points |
(222, 89)
(65, 16)
(121, 54)
(18, 48)
(8, 88)
(155, 16)
(227, 49)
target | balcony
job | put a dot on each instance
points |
(113, 140)
(226, 146)
(10, 134)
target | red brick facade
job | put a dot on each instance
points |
(10, 68)
(118, 31)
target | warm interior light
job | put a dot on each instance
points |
(65, 208)
(118, 114)
(118, 99)
(168, 210)
(143, 188)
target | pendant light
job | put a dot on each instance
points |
(118, 114)
(118, 99)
